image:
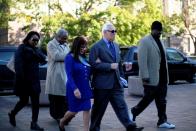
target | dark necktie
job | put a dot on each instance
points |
(112, 50)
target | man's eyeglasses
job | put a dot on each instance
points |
(112, 31)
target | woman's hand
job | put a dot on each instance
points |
(77, 93)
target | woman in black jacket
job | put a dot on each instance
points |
(27, 83)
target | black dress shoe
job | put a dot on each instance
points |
(35, 126)
(138, 129)
(12, 119)
(134, 128)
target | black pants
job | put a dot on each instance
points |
(58, 106)
(23, 101)
(157, 93)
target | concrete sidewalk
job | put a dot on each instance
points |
(181, 110)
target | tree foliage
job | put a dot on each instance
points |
(130, 27)
(4, 13)
(88, 19)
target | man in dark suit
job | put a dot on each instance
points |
(105, 61)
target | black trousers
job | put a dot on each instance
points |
(23, 101)
(58, 106)
(157, 93)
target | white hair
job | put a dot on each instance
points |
(61, 33)
(107, 26)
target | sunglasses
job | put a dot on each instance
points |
(35, 40)
(112, 31)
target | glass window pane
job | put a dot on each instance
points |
(174, 55)
(5, 56)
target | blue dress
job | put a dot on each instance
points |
(78, 76)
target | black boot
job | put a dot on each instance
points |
(12, 118)
(35, 126)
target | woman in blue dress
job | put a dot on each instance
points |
(78, 83)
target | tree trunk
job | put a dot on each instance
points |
(195, 46)
(186, 17)
(3, 36)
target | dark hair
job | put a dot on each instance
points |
(29, 35)
(76, 45)
(156, 25)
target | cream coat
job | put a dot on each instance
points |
(149, 59)
(56, 76)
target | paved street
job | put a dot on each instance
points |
(181, 110)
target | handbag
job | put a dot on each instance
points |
(10, 64)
